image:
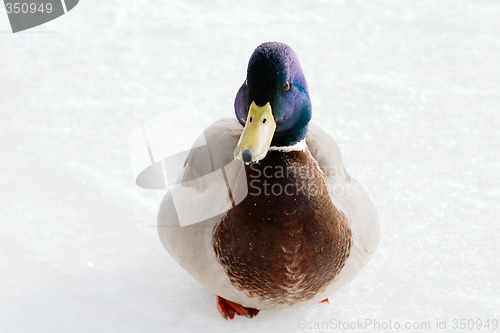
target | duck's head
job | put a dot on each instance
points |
(273, 103)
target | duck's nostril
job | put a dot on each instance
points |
(246, 155)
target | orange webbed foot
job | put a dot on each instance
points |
(325, 301)
(228, 309)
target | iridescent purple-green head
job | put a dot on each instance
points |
(273, 103)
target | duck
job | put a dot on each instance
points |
(292, 227)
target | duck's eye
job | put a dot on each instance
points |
(250, 120)
(286, 86)
(264, 121)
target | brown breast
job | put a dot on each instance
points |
(286, 241)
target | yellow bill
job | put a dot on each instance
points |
(257, 134)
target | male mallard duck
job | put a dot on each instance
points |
(303, 229)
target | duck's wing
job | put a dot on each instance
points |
(205, 180)
(350, 197)
(204, 187)
(213, 150)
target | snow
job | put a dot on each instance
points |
(411, 93)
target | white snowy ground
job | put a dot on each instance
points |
(410, 90)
